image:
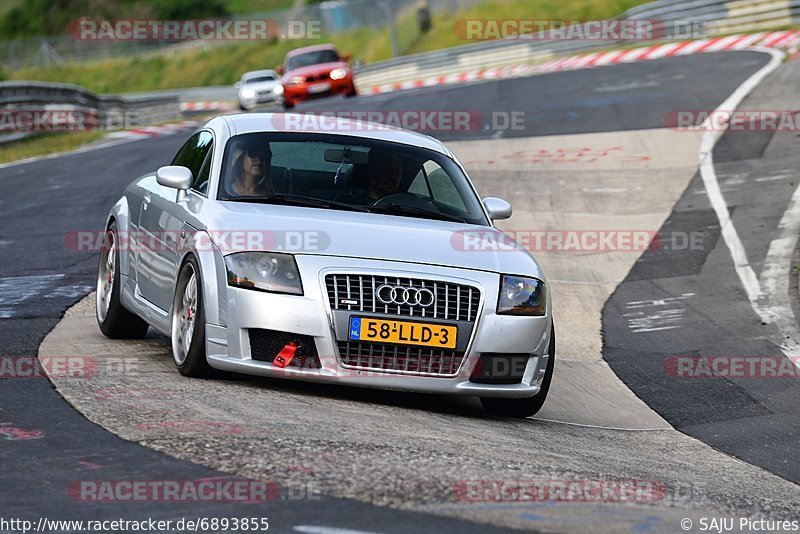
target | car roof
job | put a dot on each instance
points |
(256, 73)
(243, 123)
(312, 48)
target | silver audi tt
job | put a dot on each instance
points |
(329, 250)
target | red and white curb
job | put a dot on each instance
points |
(789, 40)
(154, 131)
(215, 105)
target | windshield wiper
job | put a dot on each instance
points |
(299, 200)
(414, 211)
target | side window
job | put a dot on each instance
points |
(419, 185)
(438, 186)
(200, 183)
(193, 154)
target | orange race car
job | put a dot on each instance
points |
(315, 71)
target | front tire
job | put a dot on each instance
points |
(188, 324)
(113, 319)
(531, 405)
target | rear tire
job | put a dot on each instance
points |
(113, 319)
(188, 324)
(531, 405)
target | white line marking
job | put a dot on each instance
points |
(773, 178)
(657, 302)
(769, 296)
(583, 282)
(17, 289)
(598, 427)
(775, 305)
(88, 148)
(604, 189)
(670, 319)
(167, 129)
(711, 183)
(314, 529)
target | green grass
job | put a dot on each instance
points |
(443, 36)
(43, 144)
(244, 7)
(225, 63)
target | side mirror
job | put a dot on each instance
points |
(346, 57)
(497, 207)
(175, 177)
(237, 85)
(279, 70)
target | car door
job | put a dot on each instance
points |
(161, 221)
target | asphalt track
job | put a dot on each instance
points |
(76, 191)
(752, 417)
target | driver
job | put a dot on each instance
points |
(251, 170)
(385, 171)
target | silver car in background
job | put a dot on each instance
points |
(258, 87)
(346, 253)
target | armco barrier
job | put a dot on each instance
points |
(719, 16)
(145, 109)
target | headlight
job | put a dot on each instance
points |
(521, 296)
(338, 74)
(294, 80)
(265, 271)
(278, 89)
(248, 93)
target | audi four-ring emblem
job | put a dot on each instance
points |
(411, 296)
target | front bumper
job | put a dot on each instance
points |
(229, 348)
(305, 91)
(251, 102)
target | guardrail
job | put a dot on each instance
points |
(717, 17)
(111, 111)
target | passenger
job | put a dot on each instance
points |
(385, 173)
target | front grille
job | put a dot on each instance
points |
(266, 344)
(317, 77)
(495, 368)
(388, 358)
(456, 302)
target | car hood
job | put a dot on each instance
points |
(316, 69)
(236, 227)
(259, 86)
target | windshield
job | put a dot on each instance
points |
(259, 79)
(337, 172)
(312, 58)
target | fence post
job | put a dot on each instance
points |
(388, 11)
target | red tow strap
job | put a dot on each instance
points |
(285, 355)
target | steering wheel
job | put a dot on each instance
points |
(405, 199)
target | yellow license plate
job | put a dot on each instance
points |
(403, 332)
